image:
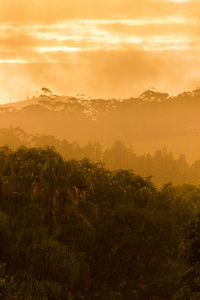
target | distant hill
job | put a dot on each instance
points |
(153, 116)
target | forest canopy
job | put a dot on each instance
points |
(76, 230)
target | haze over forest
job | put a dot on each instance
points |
(100, 150)
(155, 134)
(149, 122)
(83, 214)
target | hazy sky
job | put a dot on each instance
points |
(115, 48)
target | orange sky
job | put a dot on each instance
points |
(115, 48)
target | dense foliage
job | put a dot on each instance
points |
(75, 230)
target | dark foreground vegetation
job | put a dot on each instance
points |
(75, 230)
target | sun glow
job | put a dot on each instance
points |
(56, 48)
(13, 61)
(179, 1)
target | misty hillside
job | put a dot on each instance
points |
(151, 116)
(161, 166)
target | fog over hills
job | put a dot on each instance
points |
(149, 122)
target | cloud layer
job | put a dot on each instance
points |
(103, 48)
(53, 11)
(103, 74)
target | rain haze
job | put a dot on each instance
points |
(100, 149)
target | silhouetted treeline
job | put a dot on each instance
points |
(75, 230)
(151, 116)
(162, 165)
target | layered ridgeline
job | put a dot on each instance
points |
(153, 116)
(75, 230)
(162, 165)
